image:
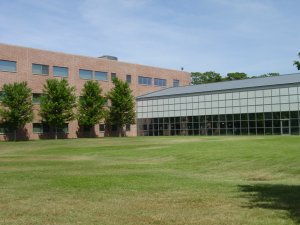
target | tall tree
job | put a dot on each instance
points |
(16, 108)
(91, 104)
(206, 77)
(57, 103)
(236, 76)
(297, 63)
(122, 107)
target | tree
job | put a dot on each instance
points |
(122, 110)
(57, 103)
(206, 77)
(91, 104)
(297, 63)
(236, 76)
(17, 106)
(269, 75)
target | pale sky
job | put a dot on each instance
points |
(251, 36)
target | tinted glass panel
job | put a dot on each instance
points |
(8, 66)
(86, 74)
(36, 98)
(160, 82)
(145, 80)
(1, 95)
(40, 69)
(100, 75)
(113, 75)
(128, 79)
(60, 71)
(102, 127)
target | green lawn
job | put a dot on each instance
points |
(151, 180)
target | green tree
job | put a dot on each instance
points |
(297, 63)
(206, 77)
(57, 103)
(16, 108)
(269, 75)
(91, 105)
(236, 76)
(122, 107)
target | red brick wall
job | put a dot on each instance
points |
(26, 56)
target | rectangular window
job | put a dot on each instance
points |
(4, 129)
(39, 128)
(8, 66)
(1, 96)
(40, 69)
(175, 83)
(113, 76)
(36, 98)
(127, 127)
(64, 129)
(60, 71)
(101, 127)
(100, 75)
(160, 82)
(145, 80)
(128, 79)
(86, 74)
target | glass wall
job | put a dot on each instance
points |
(253, 112)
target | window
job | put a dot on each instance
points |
(160, 82)
(113, 75)
(8, 66)
(63, 129)
(128, 79)
(100, 75)
(40, 69)
(36, 98)
(1, 96)
(39, 128)
(60, 71)
(145, 80)
(175, 83)
(86, 74)
(4, 129)
(127, 127)
(101, 127)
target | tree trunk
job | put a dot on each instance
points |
(55, 136)
(120, 131)
(15, 134)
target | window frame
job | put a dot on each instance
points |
(141, 80)
(160, 82)
(10, 61)
(42, 66)
(92, 74)
(102, 73)
(60, 75)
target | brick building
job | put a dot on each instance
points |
(35, 66)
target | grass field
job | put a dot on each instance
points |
(151, 180)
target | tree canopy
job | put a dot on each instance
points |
(212, 77)
(91, 104)
(122, 107)
(206, 77)
(236, 76)
(297, 63)
(57, 103)
(16, 108)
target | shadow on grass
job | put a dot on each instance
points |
(274, 196)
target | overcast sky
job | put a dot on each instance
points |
(254, 36)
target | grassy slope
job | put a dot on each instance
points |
(154, 180)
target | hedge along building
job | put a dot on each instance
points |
(259, 106)
(35, 66)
